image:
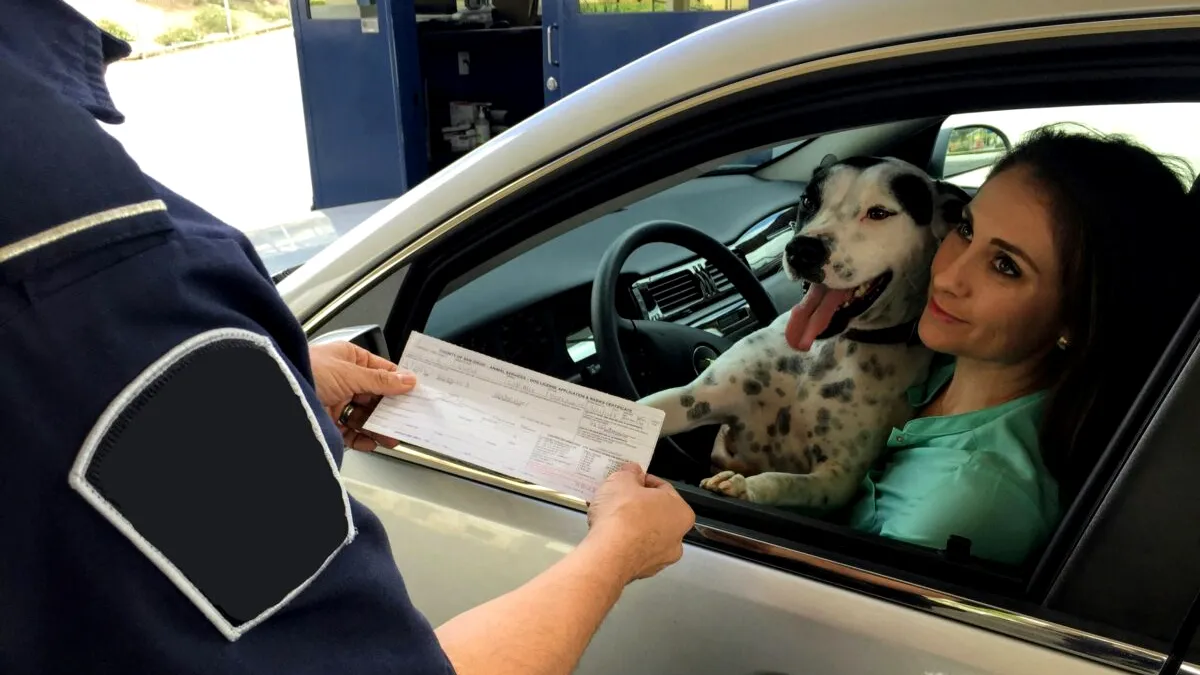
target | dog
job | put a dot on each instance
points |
(807, 403)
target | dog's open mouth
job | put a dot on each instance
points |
(825, 312)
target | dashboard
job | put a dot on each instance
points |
(534, 310)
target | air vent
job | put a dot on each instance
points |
(675, 292)
(721, 283)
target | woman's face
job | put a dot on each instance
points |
(995, 293)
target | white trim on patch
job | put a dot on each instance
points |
(58, 232)
(78, 475)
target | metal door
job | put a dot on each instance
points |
(362, 108)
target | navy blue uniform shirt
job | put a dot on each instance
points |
(103, 271)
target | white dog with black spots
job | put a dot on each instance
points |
(807, 403)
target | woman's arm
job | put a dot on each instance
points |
(543, 627)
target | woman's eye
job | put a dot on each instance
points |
(879, 213)
(965, 230)
(1006, 266)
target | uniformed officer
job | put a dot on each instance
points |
(169, 501)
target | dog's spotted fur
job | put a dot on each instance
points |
(802, 428)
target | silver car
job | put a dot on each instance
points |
(720, 130)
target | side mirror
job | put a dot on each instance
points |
(369, 337)
(970, 148)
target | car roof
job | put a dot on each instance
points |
(764, 39)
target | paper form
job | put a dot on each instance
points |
(514, 421)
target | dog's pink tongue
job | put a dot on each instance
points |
(812, 315)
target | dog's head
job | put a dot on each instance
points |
(865, 234)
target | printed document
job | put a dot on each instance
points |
(514, 421)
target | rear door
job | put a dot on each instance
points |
(587, 39)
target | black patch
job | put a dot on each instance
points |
(823, 418)
(762, 403)
(783, 421)
(762, 374)
(200, 507)
(779, 392)
(699, 411)
(871, 400)
(771, 430)
(709, 378)
(851, 348)
(837, 423)
(810, 200)
(914, 196)
(876, 369)
(792, 365)
(687, 400)
(815, 455)
(755, 447)
(733, 379)
(752, 388)
(842, 390)
(736, 427)
(825, 363)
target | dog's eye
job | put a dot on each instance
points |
(879, 213)
(806, 202)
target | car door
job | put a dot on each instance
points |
(788, 595)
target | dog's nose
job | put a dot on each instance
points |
(806, 253)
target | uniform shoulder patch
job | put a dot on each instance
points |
(213, 464)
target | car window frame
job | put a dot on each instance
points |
(1143, 657)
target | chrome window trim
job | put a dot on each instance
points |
(1123, 656)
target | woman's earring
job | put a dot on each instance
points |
(1063, 342)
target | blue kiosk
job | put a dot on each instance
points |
(395, 90)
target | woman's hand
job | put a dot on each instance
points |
(345, 373)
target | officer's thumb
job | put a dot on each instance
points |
(630, 473)
(383, 382)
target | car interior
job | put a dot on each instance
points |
(530, 305)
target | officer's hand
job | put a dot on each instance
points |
(641, 519)
(344, 372)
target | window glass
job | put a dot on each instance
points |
(1165, 128)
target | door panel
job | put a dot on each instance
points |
(460, 543)
(583, 46)
(361, 90)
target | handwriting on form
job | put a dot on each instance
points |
(513, 420)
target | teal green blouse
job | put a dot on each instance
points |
(978, 475)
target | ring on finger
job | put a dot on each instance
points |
(344, 418)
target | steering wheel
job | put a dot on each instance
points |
(678, 353)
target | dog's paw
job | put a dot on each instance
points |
(728, 483)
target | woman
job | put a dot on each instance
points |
(1046, 302)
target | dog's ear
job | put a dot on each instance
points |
(828, 161)
(950, 202)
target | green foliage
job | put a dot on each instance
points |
(179, 35)
(271, 12)
(211, 19)
(115, 29)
